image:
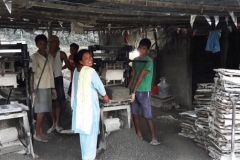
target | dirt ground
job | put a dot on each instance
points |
(124, 144)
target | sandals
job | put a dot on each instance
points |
(51, 130)
(58, 129)
(40, 139)
(154, 142)
(47, 137)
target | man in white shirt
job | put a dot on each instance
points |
(41, 64)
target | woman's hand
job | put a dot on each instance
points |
(106, 99)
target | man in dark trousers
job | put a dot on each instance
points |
(57, 58)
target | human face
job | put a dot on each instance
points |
(143, 51)
(42, 45)
(87, 60)
(54, 42)
(73, 50)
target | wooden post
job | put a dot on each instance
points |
(156, 64)
(49, 29)
(224, 47)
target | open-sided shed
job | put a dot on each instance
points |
(120, 14)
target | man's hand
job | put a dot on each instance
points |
(54, 94)
(132, 97)
(106, 99)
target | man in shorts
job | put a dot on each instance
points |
(140, 85)
(41, 63)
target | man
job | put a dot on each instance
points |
(73, 50)
(140, 85)
(43, 99)
(58, 58)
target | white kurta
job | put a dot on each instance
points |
(88, 141)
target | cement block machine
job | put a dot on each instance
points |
(15, 101)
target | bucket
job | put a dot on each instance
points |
(154, 90)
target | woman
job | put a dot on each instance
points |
(85, 104)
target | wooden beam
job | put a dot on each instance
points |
(195, 9)
(87, 9)
(74, 17)
(173, 5)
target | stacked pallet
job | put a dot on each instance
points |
(188, 124)
(203, 94)
(227, 90)
(195, 123)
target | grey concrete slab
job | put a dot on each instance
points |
(117, 92)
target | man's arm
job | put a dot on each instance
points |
(131, 79)
(139, 80)
(32, 82)
(32, 67)
(65, 59)
(64, 67)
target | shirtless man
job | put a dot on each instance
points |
(58, 58)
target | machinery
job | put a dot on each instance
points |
(15, 100)
(111, 62)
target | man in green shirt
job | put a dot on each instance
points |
(140, 85)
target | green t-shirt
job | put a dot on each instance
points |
(145, 85)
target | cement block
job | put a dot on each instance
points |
(162, 103)
(117, 92)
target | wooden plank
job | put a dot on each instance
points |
(173, 5)
(87, 9)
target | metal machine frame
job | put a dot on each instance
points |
(21, 60)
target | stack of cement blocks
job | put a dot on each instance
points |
(9, 141)
(8, 79)
(112, 73)
(195, 123)
(227, 88)
(7, 67)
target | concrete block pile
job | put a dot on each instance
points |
(195, 123)
(9, 141)
(227, 88)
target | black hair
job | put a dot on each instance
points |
(75, 46)
(40, 37)
(79, 55)
(145, 42)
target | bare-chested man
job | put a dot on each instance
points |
(58, 58)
